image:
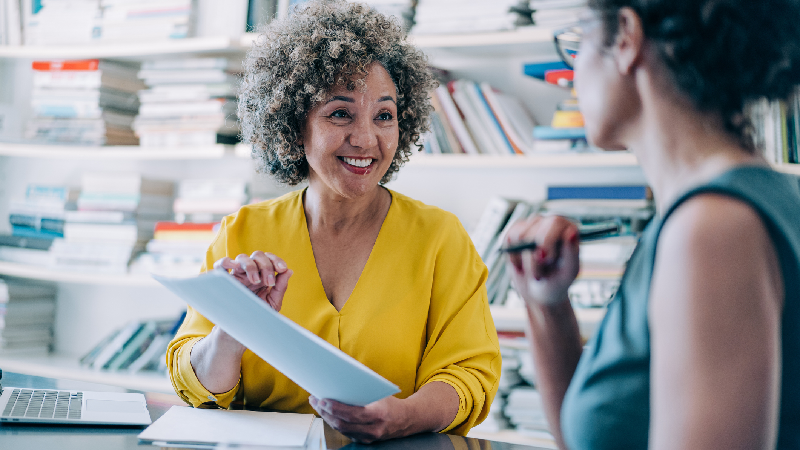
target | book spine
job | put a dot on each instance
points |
(598, 192)
(73, 65)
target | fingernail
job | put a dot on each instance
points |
(574, 237)
(270, 280)
(256, 279)
(280, 265)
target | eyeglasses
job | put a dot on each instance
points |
(567, 41)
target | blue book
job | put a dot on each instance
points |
(549, 133)
(34, 233)
(634, 192)
(538, 70)
(494, 122)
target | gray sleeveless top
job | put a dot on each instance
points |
(607, 405)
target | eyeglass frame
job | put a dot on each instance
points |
(575, 30)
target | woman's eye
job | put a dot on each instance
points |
(340, 114)
(385, 116)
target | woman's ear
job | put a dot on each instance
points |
(630, 40)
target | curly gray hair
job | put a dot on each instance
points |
(295, 63)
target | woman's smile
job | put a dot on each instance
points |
(358, 165)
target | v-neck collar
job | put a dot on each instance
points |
(307, 247)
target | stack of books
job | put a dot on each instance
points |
(402, 10)
(488, 237)
(777, 129)
(35, 221)
(475, 118)
(86, 102)
(189, 102)
(27, 311)
(525, 411)
(40, 214)
(177, 249)
(603, 261)
(52, 22)
(144, 20)
(201, 200)
(460, 16)
(115, 216)
(553, 13)
(137, 346)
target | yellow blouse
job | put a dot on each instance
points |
(417, 314)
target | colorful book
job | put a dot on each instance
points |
(622, 192)
(456, 121)
(548, 133)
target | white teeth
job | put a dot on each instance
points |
(357, 162)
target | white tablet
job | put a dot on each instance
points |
(314, 364)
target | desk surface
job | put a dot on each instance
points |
(70, 437)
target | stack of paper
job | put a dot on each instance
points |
(183, 426)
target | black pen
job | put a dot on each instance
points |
(585, 234)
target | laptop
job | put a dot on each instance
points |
(24, 405)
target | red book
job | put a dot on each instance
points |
(88, 65)
(559, 77)
(174, 226)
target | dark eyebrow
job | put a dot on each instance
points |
(342, 98)
(387, 97)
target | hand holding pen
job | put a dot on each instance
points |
(543, 254)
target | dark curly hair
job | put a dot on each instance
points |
(723, 54)
(294, 63)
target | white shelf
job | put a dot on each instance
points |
(67, 367)
(598, 159)
(114, 152)
(527, 35)
(133, 50)
(44, 274)
(523, 41)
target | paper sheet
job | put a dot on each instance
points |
(182, 425)
(314, 364)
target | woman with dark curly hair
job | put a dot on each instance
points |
(335, 96)
(700, 347)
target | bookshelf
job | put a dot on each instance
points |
(202, 46)
(120, 152)
(64, 366)
(502, 43)
(30, 272)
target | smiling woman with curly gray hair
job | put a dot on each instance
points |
(294, 64)
(336, 96)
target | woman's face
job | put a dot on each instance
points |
(605, 96)
(351, 138)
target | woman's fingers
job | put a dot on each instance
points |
(258, 272)
(360, 423)
(544, 273)
(276, 293)
(249, 268)
(225, 263)
(265, 267)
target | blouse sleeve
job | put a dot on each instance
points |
(462, 347)
(194, 328)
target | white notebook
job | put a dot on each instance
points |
(314, 364)
(183, 426)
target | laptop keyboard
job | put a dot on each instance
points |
(44, 404)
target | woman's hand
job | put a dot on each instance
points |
(384, 419)
(216, 359)
(543, 276)
(263, 273)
